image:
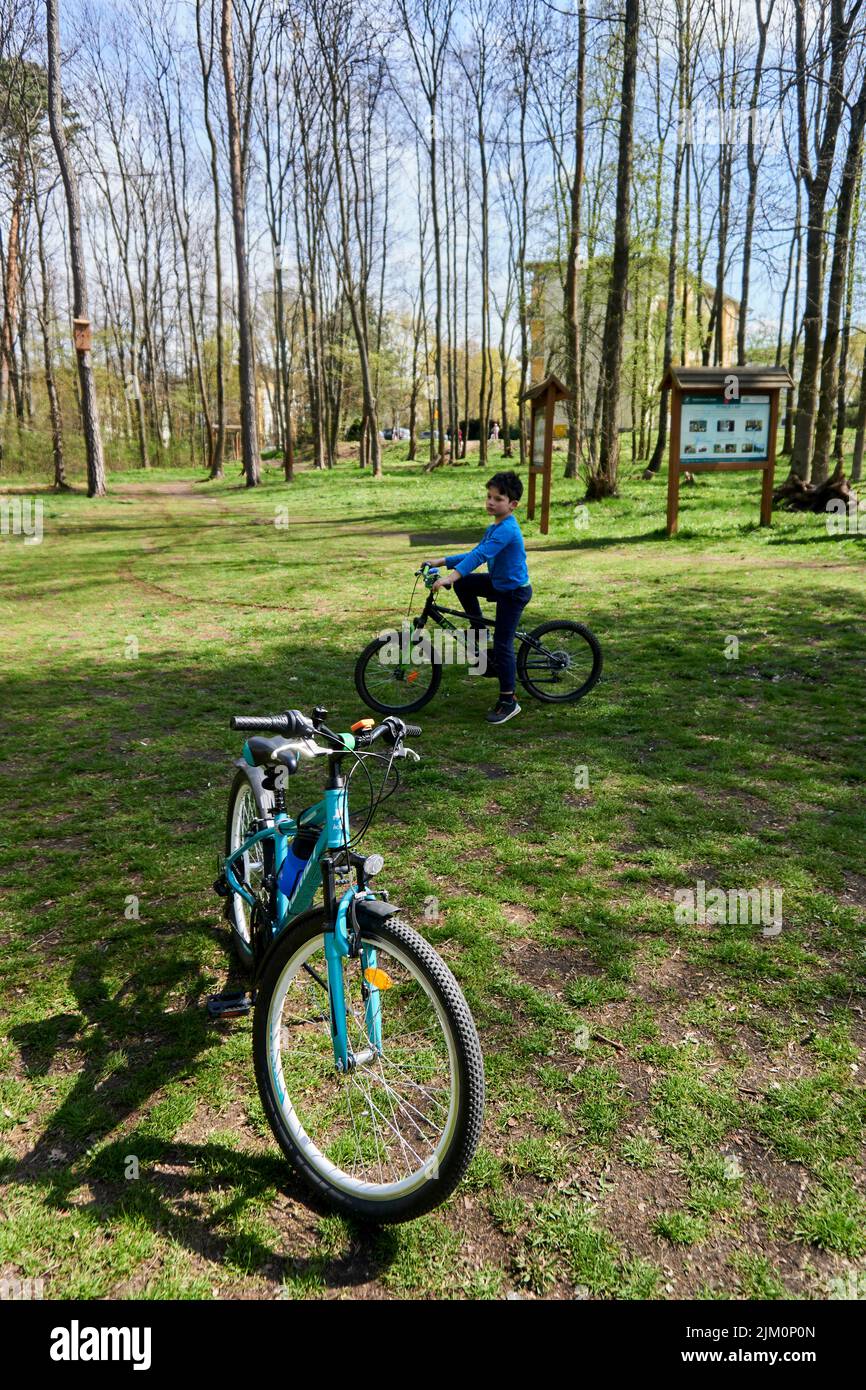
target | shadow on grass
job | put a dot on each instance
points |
(159, 1049)
(130, 1048)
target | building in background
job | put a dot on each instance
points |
(643, 345)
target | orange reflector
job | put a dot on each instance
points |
(362, 724)
(377, 978)
(412, 676)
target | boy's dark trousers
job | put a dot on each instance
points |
(510, 603)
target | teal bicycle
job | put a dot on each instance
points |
(366, 1056)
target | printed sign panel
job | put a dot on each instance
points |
(538, 439)
(713, 429)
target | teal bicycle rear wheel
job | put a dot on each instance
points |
(248, 801)
(391, 1138)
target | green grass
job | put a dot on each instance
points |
(674, 1109)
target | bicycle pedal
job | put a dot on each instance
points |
(234, 1004)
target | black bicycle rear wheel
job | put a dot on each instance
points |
(399, 687)
(563, 665)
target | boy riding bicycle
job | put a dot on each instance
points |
(501, 548)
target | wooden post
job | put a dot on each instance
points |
(542, 397)
(548, 462)
(674, 462)
(530, 501)
(770, 465)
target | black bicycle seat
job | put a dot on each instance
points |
(267, 752)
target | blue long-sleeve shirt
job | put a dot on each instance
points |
(502, 549)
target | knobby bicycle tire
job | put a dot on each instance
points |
(526, 652)
(237, 911)
(370, 653)
(466, 1128)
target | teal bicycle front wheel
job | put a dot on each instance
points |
(391, 1138)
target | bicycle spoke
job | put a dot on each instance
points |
(382, 1121)
(393, 1128)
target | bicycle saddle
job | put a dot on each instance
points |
(265, 752)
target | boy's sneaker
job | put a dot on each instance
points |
(506, 709)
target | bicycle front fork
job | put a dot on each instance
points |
(337, 949)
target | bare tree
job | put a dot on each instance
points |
(753, 161)
(354, 90)
(603, 481)
(206, 49)
(827, 397)
(816, 181)
(89, 406)
(427, 25)
(41, 196)
(248, 401)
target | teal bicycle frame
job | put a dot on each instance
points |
(331, 817)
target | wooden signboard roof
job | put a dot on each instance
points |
(749, 379)
(562, 391)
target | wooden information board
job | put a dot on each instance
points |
(723, 420)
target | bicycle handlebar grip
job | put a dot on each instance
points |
(260, 724)
(293, 724)
(413, 730)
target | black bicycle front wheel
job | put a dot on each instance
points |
(559, 662)
(395, 686)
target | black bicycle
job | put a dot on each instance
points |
(399, 672)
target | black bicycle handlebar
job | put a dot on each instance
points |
(293, 724)
(391, 729)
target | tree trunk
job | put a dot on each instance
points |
(604, 482)
(249, 424)
(572, 320)
(816, 183)
(216, 445)
(753, 164)
(43, 313)
(89, 405)
(860, 435)
(842, 393)
(8, 364)
(658, 453)
(836, 290)
(788, 441)
(450, 293)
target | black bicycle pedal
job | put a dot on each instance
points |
(230, 1004)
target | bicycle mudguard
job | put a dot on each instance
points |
(371, 911)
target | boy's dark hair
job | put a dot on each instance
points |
(507, 483)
